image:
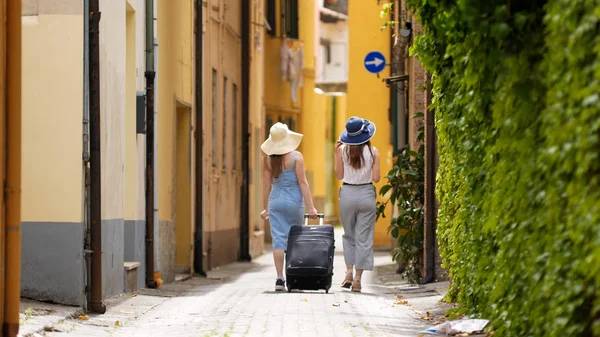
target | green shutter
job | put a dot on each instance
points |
(293, 19)
(271, 19)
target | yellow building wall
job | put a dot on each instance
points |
(174, 25)
(256, 126)
(52, 175)
(312, 122)
(314, 110)
(174, 89)
(341, 115)
(309, 108)
(368, 97)
(183, 237)
(278, 93)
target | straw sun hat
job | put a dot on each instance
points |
(281, 140)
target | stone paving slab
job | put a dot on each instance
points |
(238, 300)
(244, 304)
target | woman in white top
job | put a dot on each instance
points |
(357, 165)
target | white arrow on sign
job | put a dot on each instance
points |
(377, 62)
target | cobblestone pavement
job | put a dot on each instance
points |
(238, 300)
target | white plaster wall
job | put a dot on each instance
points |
(337, 69)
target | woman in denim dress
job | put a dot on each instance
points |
(285, 189)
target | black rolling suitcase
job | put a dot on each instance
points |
(309, 256)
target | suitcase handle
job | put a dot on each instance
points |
(320, 215)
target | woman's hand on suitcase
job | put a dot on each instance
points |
(264, 214)
(312, 212)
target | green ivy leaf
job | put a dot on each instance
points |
(514, 96)
(410, 172)
(384, 189)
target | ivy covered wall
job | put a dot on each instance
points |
(517, 104)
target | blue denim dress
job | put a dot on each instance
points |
(286, 206)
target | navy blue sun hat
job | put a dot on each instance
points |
(358, 131)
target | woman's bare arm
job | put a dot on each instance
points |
(338, 164)
(267, 183)
(304, 187)
(376, 173)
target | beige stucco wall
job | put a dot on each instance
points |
(140, 87)
(52, 176)
(53, 56)
(135, 81)
(222, 51)
(140, 41)
(130, 118)
(113, 105)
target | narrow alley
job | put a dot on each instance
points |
(155, 155)
(239, 300)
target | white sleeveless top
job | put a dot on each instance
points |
(358, 176)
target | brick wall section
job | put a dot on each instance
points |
(417, 99)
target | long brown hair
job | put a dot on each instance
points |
(274, 164)
(355, 154)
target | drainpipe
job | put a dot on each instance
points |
(244, 211)
(397, 104)
(87, 244)
(398, 45)
(331, 170)
(95, 304)
(157, 278)
(393, 109)
(199, 134)
(429, 190)
(152, 273)
(12, 187)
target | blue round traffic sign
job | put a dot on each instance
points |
(375, 62)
